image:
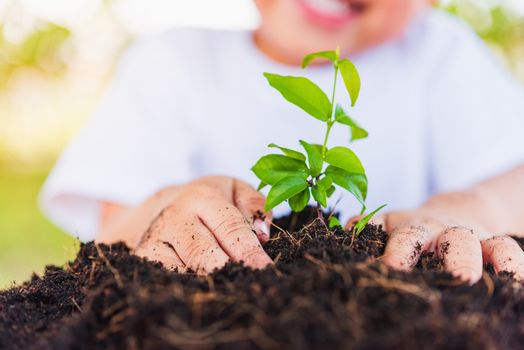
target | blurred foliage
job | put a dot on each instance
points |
(28, 241)
(497, 25)
(40, 49)
(504, 30)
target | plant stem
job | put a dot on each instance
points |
(319, 212)
(319, 207)
(333, 93)
(330, 123)
(324, 146)
(331, 120)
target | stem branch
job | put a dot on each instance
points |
(333, 93)
(332, 118)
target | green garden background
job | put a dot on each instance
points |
(57, 55)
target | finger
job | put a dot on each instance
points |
(405, 245)
(200, 249)
(460, 250)
(516, 234)
(505, 254)
(251, 205)
(379, 220)
(233, 233)
(163, 252)
(353, 221)
(187, 238)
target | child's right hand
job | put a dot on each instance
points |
(198, 226)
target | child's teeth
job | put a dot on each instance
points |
(335, 7)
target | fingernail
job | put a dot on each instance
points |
(397, 263)
(467, 274)
(262, 228)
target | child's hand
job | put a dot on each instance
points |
(457, 227)
(198, 226)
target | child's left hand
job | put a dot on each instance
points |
(456, 226)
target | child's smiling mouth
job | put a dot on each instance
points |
(333, 13)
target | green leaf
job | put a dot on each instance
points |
(351, 79)
(314, 157)
(285, 189)
(364, 221)
(261, 185)
(356, 131)
(344, 158)
(272, 168)
(329, 55)
(330, 191)
(299, 201)
(303, 93)
(289, 152)
(339, 112)
(356, 184)
(319, 194)
(326, 182)
(334, 222)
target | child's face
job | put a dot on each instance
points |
(304, 26)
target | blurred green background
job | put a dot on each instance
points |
(57, 55)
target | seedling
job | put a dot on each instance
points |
(295, 176)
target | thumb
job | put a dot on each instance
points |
(353, 221)
(251, 204)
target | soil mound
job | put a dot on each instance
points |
(327, 290)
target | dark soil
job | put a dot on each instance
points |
(326, 291)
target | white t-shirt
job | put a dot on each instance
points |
(441, 112)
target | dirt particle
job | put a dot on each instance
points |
(443, 248)
(259, 215)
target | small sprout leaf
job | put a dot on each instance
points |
(303, 93)
(334, 222)
(299, 201)
(351, 79)
(320, 195)
(273, 167)
(329, 55)
(285, 189)
(357, 132)
(344, 158)
(314, 157)
(356, 184)
(289, 152)
(364, 221)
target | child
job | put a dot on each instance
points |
(443, 118)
